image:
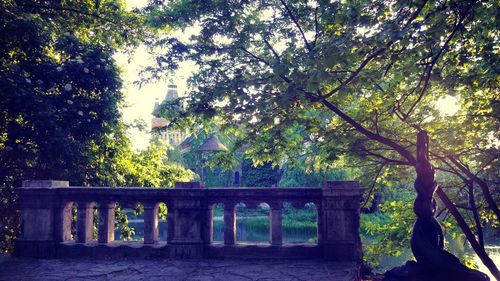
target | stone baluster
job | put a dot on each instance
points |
(319, 222)
(150, 223)
(106, 226)
(275, 226)
(208, 224)
(63, 222)
(84, 222)
(340, 208)
(229, 223)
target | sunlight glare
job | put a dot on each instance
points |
(447, 105)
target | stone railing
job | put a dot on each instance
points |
(47, 218)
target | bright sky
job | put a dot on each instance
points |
(139, 102)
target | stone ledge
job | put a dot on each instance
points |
(44, 183)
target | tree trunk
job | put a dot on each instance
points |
(427, 241)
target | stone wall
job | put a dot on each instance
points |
(46, 221)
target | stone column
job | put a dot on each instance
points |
(229, 223)
(319, 221)
(187, 206)
(106, 226)
(275, 226)
(150, 223)
(63, 222)
(39, 208)
(84, 221)
(208, 224)
(170, 224)
(340, 210)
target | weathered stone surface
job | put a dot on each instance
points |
(46, 221)
(175, 270)
(340, 208)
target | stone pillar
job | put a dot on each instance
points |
(150, 223)
(84, 221)
(187, 214)
(170, 224)
(319, 221)
(229, 223)
(106, 226)
(39, 208)
(275, 226)
(208, 225)
(340, 209)
(63, 222)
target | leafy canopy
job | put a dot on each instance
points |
(344, 81)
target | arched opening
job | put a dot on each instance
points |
(300, 223)
(218, 223)
(129, 222)
(162, 222)
(237, 178)
(95, 220)
(252, 223)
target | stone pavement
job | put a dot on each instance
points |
(175, 270)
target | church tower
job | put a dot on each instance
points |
(158, 124)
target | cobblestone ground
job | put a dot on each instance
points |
(175, 270)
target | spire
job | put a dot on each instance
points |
(171, 91)
(155, 108)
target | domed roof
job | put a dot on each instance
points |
(212, 144)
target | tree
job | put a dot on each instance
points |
(60, 88)
(260, 176)
(151, 167)
(358, 79)
(60, 95)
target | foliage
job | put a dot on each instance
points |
(388, 232)
(264, 175)
(60, 95)
(349, 83)
(300, 176)
(151, 167)
(9, 218)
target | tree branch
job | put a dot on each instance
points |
(472, 204)
(372, 56)
(468, 233)
(435, 59)
(294, 20)
(373, 185)
(72, 10)
(276, 56)
(383, 140)
(316, 26)
(255, 56)
(482, 184)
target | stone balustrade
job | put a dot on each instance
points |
(47, 220)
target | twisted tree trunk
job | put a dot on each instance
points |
(427, 241)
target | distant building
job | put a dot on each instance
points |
(185, 143)
(158, 124)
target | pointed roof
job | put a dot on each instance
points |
(212, 144)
